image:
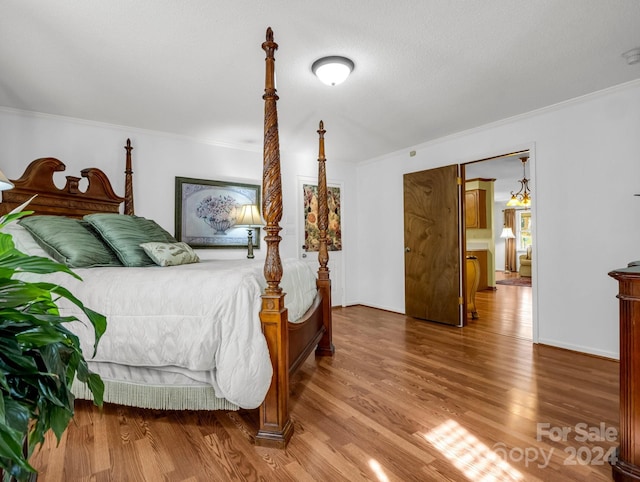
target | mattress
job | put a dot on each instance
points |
(190, 325)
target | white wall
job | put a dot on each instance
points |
(591, 145)
(157, 159)
(585, 168)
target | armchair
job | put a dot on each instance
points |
(525, 263)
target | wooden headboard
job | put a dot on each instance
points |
(99, 196)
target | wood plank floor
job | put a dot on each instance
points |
(401, 400)
(509, 309)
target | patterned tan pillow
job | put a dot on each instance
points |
(170, 254)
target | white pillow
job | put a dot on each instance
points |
(23, 240)
(170, 254)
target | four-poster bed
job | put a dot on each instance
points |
(289, 342)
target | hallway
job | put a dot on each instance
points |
(506, 310)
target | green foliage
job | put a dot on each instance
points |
(39, 357)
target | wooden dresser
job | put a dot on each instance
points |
(626, 464)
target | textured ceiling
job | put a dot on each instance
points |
(424, 68)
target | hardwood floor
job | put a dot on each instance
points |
(508, 309)
(401, 400)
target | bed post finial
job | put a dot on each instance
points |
(275, 424)
(271, 180)
(323, 208)
(128, 181)
(270, 47)
(325, 346)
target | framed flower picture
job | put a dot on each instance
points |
(207, 213)
(311, 230)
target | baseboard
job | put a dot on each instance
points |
(378, 307)
(580, 349)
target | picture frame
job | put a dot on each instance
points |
(206, 212)
(310, 209)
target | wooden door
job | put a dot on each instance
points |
(432, 234)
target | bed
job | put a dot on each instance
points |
(267, 345)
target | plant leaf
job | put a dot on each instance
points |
(6, 243)
(12, 358)
(18, 210)
(41, 336)
(96, 385)
(13, 259)
(39, 357)
(98, 321)
(15, 214)
(59, 419)
(16, 415)
(11, 449)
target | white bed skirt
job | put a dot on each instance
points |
(196, 397)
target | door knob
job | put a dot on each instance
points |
(407, 249)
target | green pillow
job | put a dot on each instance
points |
(170, 254)
(124, 234)
(70, 241)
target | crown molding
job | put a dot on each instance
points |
(129, 129)
(508, 120)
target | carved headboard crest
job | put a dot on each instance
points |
(37, 178)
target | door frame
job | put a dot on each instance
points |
(531, 147)
(339, 295)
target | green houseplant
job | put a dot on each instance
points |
(39, 356)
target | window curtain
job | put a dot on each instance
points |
(510, 244)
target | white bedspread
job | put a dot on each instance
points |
(200, 319)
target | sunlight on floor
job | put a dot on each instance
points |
(377, 469)
(473, 458)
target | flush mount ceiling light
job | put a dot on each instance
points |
(332, 70)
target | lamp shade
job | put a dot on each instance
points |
(514, 201)
(5, 183)
(249, 216)
(507, 233)
(332, 70)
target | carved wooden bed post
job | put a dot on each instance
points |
(325, 346)
(128, 181)
(275, 425)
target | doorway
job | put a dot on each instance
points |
(511, 303)
(441, 247)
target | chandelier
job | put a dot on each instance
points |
(522, 198)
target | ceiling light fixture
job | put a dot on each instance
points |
(632, 56)
(332, 70)
(523, 197)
